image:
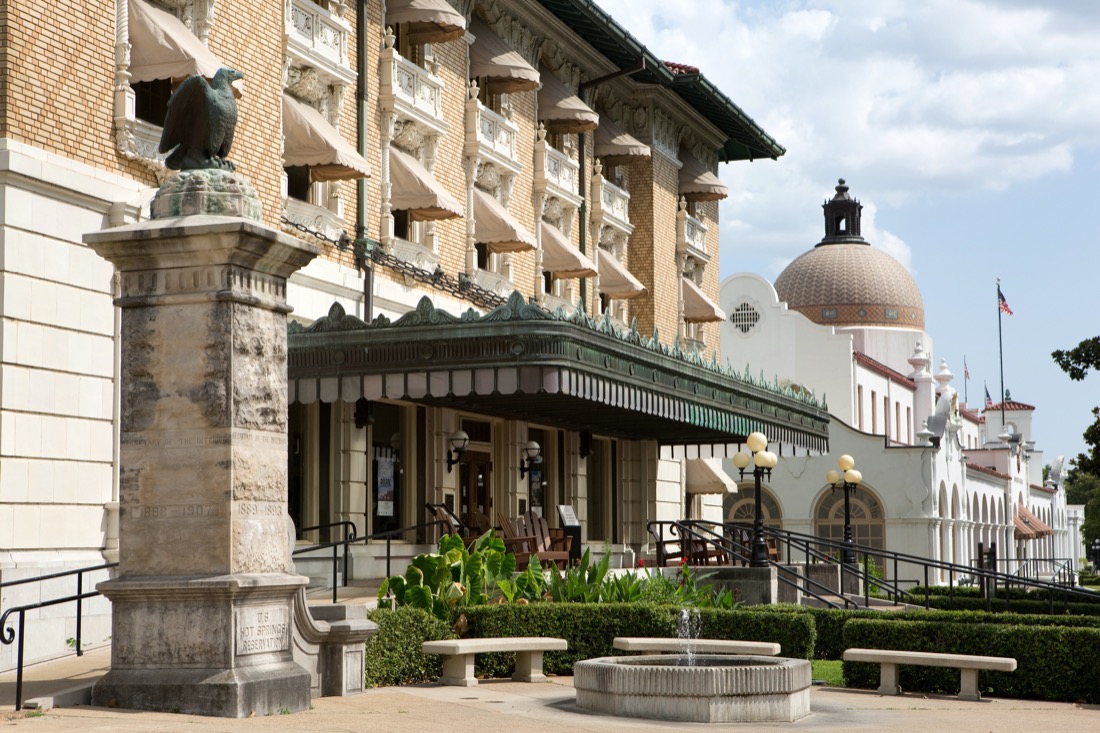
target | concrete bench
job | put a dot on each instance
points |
(968, 664)
(699, 646)
(458, 664)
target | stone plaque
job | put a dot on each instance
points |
(262, 629)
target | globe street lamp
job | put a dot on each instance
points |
(763, 462)
(847, 479)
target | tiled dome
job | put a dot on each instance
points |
(844, 281)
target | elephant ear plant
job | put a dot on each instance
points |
(454, 576)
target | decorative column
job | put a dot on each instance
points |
(202, 605)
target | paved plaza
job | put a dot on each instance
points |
(504, 705)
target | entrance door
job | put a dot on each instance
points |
(474, 488)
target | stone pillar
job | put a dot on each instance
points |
(203, 601)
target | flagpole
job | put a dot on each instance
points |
(966, 382)
(1001, 353)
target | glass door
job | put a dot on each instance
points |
(475, 488)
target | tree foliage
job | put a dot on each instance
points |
(1082, 481)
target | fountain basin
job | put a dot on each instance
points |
(715, 688)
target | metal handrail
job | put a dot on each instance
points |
(8, 634)
(349, 537)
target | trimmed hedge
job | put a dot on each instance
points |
(1001, 605)
(591, 628)
(1013, 594)
(394, 656)
(1053, 663)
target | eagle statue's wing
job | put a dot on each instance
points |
(188, 120)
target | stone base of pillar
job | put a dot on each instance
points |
(207, 646)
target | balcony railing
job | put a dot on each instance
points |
(695, 234)
(318, 31)
(411, 91)
(562, 171)
(316, 218)
(496, 134)
(616, 204)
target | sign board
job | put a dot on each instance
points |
(568, 516)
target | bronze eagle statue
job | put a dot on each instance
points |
(201, 119)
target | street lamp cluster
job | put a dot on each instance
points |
(763, 461)
(847, 478)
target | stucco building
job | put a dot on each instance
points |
(845, 321)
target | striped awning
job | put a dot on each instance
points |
(416, 191)
(429, 21)
(1029, 526)
(496, 228)
(312, 141)
(501, 68)
(561, 258)
(522, 362)
(699, 184)
(698, 308)
(162, 47)
(562, 111)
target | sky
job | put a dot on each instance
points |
(970, 132)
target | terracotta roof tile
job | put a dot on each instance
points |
(678, 68)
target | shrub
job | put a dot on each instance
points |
(394, 655)
(1051, 665)
(591, 628)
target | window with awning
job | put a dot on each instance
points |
(311, 141)
(501, 69)
(162, 47)
(560, 258)
(413, 189)
(496, 228)
(1028, 526)
(429, 21)
(613, 146)
(705, 476)
(562, 111)
(698, 308)
(615, 280)
(699, 184)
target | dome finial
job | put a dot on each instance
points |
(841, 189)
(842, 214)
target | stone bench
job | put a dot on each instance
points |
(968, 664)
(698, 646)
(458, 664)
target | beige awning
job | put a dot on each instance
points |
(1029, 526)
(615, 280)
(698, 308)
(163, 47)
(312, 141)
(705, 476)
(561, 258)
(562, 111)
(430, 21)
(613, 146)
(414, 190)
(503, 69)
(699, 184)
(497, 228)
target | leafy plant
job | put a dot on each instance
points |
(580, 583)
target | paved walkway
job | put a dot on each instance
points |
(503, 705)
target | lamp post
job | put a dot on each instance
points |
(763, 462)
(847, 478)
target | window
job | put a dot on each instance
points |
(744, 318)
(151, 100)
(859, 406)
(401, 225)
(866, 512)
(874, 411)
(297, 178)
(886, 416)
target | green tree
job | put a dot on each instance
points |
(1082, 482)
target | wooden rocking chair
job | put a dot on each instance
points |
(521, 545)
(548, 549)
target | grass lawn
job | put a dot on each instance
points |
(828, 670)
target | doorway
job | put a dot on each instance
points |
(475, 489)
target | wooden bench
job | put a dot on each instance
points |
(458, 664)
(699, 646)
(968, 664)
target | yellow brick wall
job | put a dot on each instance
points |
(708, 210)
(651, 255)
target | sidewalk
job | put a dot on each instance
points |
(539, 708)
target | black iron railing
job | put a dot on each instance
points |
(8, 635)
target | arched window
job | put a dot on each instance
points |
(743, 508)
(867, 516)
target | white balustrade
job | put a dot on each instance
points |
(496, 134)
(562, 171)
(318, 31)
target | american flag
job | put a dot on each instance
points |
(966, 370)
(988, 399)
(1002, 303)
